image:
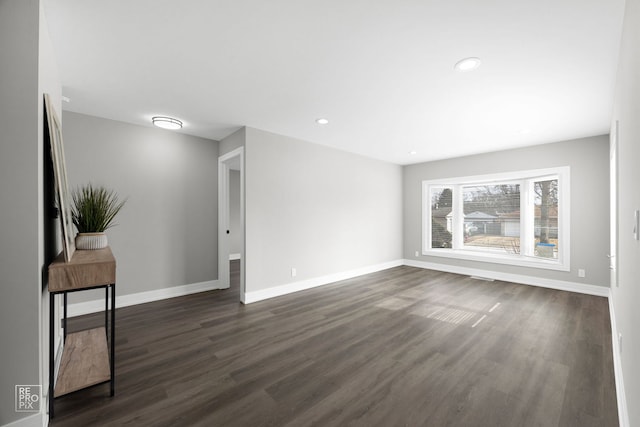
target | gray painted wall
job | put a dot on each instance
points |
(627, 295)
(317, 209)
(167, 232)
(235, 239)
(588, 159)
(233, 141)
(27, 70)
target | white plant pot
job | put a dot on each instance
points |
(91, 241)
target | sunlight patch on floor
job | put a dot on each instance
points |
(444, 314)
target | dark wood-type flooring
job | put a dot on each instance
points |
(401, 347)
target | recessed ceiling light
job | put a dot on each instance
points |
(467, 64)
(322, 121)
(413, 152)
(166, 122)
(525, 131)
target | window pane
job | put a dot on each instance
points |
(545, 212)
(492, 217)
(441, 218)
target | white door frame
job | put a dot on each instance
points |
(224, 167)
(613, 204)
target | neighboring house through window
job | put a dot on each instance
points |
(519, 218)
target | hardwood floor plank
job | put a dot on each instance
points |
(400, 347)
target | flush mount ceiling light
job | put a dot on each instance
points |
(322, 121)
(467, 64)
(166, 122)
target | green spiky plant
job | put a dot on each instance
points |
(94, 208)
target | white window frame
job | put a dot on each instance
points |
(526, 257)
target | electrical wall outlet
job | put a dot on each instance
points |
(417, 253)
(620, 342)
(582, 272)
(294, 272)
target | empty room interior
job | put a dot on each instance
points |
(390, 213)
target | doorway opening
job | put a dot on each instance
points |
(231, 239)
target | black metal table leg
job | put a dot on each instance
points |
(51, 356)
(64, 322)
(113, 337)
(106, 312)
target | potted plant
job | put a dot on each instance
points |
(93, 212)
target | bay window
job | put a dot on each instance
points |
(519, 218)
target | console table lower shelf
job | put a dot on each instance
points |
(88, 357)
(85, 361)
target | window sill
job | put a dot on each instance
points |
(517, 260)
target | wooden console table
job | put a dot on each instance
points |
(87, 359)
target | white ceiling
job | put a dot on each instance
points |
(381, 71)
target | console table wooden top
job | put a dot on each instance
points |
(85, 270)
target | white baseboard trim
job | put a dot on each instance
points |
(623, 414)
(57, 359)
(95, 306)
(233, 257)
(40, 419)
(302, 285)
(561, 285)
